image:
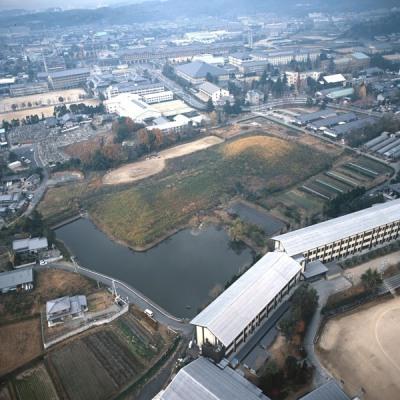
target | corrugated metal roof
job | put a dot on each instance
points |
(328, 391)
(238, 305)
(69, 72)
(318, 235)
(12, 279)
(202, 380)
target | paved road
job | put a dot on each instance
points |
(178, 90)
(324, 289)
(133, 295)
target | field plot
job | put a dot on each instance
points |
(361, 350)
(148, 212)
(35, 384)
(19, 343)
(81, 375)
(152, 166)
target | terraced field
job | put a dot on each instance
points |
(35, 384)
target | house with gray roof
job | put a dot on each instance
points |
(58, 310)
(30, 245)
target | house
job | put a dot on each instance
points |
(213, 92)
(254, 97)
(21, 279)
(58, 310)
(30, 245)
(196, 72)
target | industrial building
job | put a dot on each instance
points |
(68, 79)
(343, 130)
(203, 380)
(343, 236)
(234, 316)
(21, 279)
(305, 119)
(196, 72)
(340, 119)
(385, 145)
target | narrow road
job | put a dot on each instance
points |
(133, 295)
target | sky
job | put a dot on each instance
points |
(43, 4)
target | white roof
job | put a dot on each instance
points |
(314, 236)
(209, 88)
(12, 279)
(337, 78)
(238, 305)
(202, 380)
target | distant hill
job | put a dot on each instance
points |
(161, 10)
(383, 26)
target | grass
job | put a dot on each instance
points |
(253, 165)
(35, 384)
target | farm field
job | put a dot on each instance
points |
(20, 342)
(365, 358)
(35, 384)
(145, 213)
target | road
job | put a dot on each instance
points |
(133, 295)
(178, 90)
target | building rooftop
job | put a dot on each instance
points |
(310, 117)
(328, 391)
(31, 244)
(327, 122)
(311, 237)
(199, 69)
(238, 305)
(69, 72)
(337, 78)
(209, 88)
(203, 380)
(354, 125)
(14, 278)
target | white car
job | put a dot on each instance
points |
(43, 262)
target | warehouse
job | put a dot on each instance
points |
(343, 236)
(332, 121)
(342, 130)
(305, 119)
(196, 72)
(237, 313)
(21, 279)
(203, 380)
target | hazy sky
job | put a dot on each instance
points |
(41, 4)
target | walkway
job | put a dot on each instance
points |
(133, 295)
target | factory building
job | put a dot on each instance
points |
(343, 236)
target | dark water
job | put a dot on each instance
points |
(264, 220)
(181, 272)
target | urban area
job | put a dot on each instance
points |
(200, 201)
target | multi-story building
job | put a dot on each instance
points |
(295, 78)
(234, 316)
(286, 56)
(70, 78)
(133, 88)
(197, 72)
(343, 236)
(26, 89)
(213, 92)
(158, 97)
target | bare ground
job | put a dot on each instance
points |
(152, 166)
(361, 350)
(19, 343)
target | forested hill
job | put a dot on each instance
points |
(170, 9)
(383, 26)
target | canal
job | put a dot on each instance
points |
(181, 274)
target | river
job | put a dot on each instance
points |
(180, 274)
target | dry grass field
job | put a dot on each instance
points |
(361, 349)
(19, 343)
(152, 166)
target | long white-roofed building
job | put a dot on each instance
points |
(237, 313)
(203, 380)
(343, 236)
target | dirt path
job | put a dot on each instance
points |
(154, 165)
(361, 349)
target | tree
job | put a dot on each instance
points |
(61, 99)
(210, 105)
(371, 280)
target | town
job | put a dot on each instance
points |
(199, 202)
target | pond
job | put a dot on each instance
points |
(181, 274)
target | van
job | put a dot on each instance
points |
(149, 313)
